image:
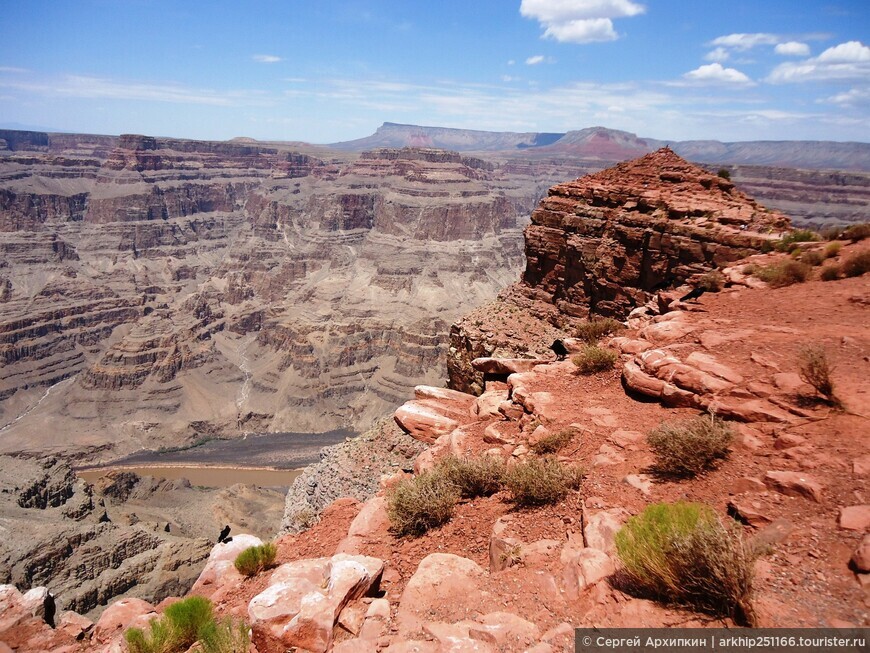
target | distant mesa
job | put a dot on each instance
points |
(611, 145)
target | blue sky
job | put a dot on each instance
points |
(330, 70)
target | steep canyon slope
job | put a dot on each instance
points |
(163, 288)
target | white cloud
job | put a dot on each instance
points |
(746, 41)
(13, 69)
(717, 54)
(266, 58)
(579, 21)
(792, 49)
(509, 78)
(851, 97)
(715, 73)
(511, 62)
(82, 86)
(850, 60)
(849, 52)
(533, 61)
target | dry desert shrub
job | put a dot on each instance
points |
(474, 477)
(688, 447)
(425, 501)
(541, 481)
(812, 257)
(598, 327)
(832, 249)
(552, 443)
(857, 264)
(856, 232)
(815, 369)
(790, 241)
(255, 559)
(784, 273)
(830, 272)
(593, 358)
(711, 281)
(682, 553)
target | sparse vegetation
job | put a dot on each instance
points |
(724, 173)
(711, 281)
(832, 249)
(830, 273)
(857, 264)
(688, 447)
(541, 481)
(790, 241)
(552, 443)
(856, 232)
(596, 328)
(474, 477)
(682, 553)
(425, 501)
(812, 257)
(815, 369)
(593, 358)
(784, 273)
(183, 624)
(225, 636)
(255, 559)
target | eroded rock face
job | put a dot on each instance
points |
(56, 537)
(601, 243)
(145, 271)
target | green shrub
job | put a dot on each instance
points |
(552, 443)
(158, 639)
(857, 264)
(593, 358)
(541, 481)
(474, 477)
(789, 242)
(688, 447)
(682, 553)
(783, 274)
(815, 369)
(225, 636)
(857, 232)
(832, 249)
(255, 559)
(724, 173)
(598, 327)
(186, 618)
(425, 501)
(830, 273)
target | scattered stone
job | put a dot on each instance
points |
(855, 518)
(601, 528)
(789, 382)
(787, 441)
(746, 484)
(585, 568)
(861, 558)
(748, 513)
(641, 482)
(626, 439)
(794, 484)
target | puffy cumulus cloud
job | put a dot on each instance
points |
(534, 61)
(716, 73)
(792, 49)
(852, 97)
(745, 41)
(266, 58)
(850, 60)
(579, 21)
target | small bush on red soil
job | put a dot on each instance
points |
(790, 241)
(541, 481)
(832, 249)
(856, 232)
(682, 553)
(255, 559)
(593, 358)
(812, 257)
(784, 273)
(688, 447)
(425, 501)
(474, 477)
(598, 327)
(815, 369)
(857, 264)
(711, 281)
(830, 272)
(552, 443)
